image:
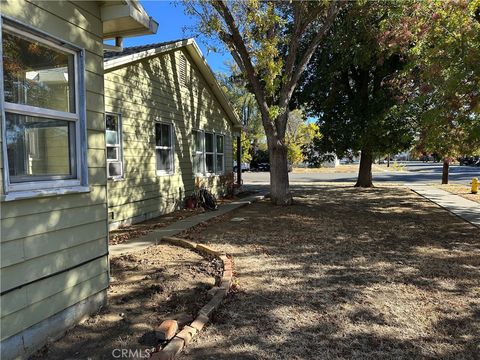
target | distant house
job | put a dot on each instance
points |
(169, 127)
(54, 241)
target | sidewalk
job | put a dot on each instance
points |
(155, 236)
(466, 209)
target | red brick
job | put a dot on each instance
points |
(213, 291)
(166, 330)
(181, 318)
(213, 304)
(180, 242)
(226, 283)
(208, 250)
(199, 322)
(169, 352)
(207, 310)
(227, 274)
(187, 334)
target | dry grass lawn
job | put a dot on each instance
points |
(462, 190)
(346, 274)
(342, 168)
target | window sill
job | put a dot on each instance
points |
(116, 179)
(208, 175)
(30, 194)
(165, 173)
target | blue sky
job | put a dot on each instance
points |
(172, 21)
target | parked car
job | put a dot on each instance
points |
(243, 167)
(263, 167)
(266, 167)
(469, 160)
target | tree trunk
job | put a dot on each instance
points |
(446, 165)
(365, 170)
(279, 185)
(388, 160)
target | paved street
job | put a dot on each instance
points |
(414, 173)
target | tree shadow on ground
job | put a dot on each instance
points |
(346, 273)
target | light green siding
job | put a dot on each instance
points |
(147, 91)
(45, 236)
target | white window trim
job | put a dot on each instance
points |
(119, 147)
(14, 191)
(172, 147)
(214, 153)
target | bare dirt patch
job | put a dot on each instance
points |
(346, 273)
(462, 190)
(147, 287)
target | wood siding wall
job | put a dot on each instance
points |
(43, 236)
(151, 90)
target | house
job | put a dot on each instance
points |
(53, 209)
(169, 128)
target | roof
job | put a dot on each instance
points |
(108, 55)
(114, 60)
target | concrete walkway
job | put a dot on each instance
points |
(156, 235)
(466, 209)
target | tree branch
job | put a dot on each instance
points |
(296, 71)
(332, 12)
(242, 56)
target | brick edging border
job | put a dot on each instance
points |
(218, 293)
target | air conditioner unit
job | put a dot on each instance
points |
(114, 169)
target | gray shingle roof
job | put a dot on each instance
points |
(136, 49)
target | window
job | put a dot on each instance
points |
(164, 148)
(42, 127)
(209, 153)
(198, 150)
(219, 154)
(113, 138)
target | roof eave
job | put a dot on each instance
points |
(126, 18)
(209, 76)
(197, 56)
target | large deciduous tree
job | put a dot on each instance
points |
(350, 85)
(445, 76)
(272, 42)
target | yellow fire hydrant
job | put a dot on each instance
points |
(474, 185)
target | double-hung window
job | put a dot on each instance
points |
(164, 148)
(198, 152)
(113, 138)
(209, 153)
(42, 113)
(220, 156)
